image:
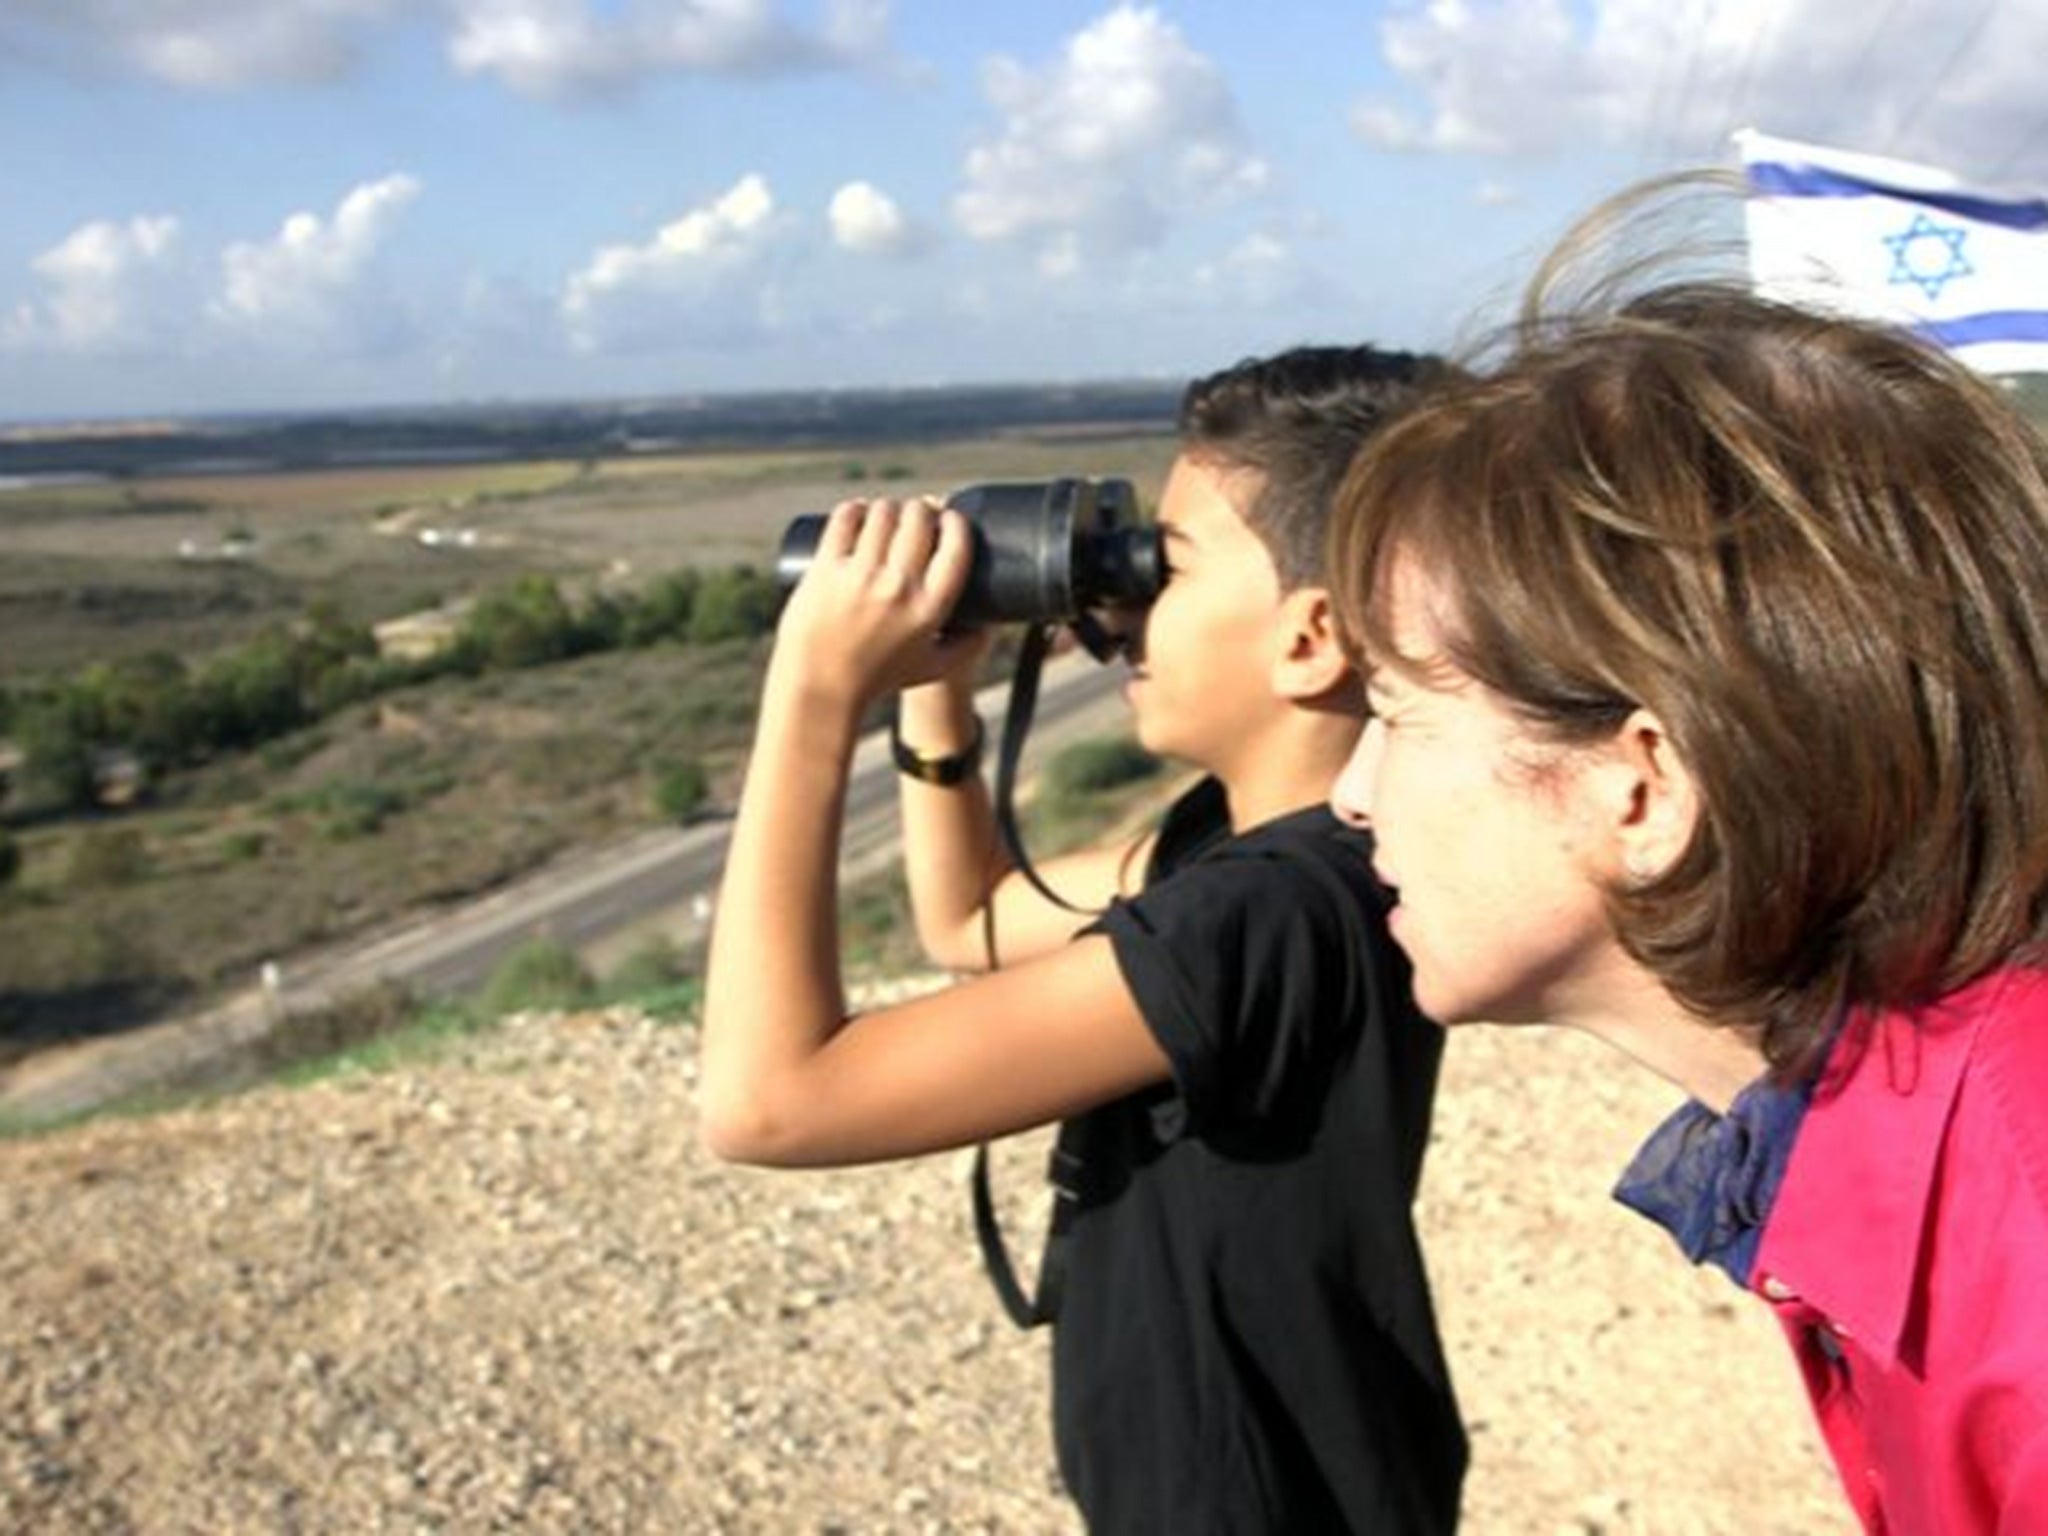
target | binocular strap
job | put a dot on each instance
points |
(1010, 752)
(1042, 1304)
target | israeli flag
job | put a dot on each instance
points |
(1901, 243)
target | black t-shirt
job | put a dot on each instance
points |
(1246, 1342)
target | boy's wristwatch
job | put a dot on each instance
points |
(950, 769)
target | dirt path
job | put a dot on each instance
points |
(508, 1292)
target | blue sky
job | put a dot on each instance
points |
(281, 204)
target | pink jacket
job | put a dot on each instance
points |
(1907, 1257)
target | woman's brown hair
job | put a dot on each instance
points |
(1817, 550)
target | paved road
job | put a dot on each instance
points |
(662, 880)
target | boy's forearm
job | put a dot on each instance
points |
(952, 857)
(773, 995)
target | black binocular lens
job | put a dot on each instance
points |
(1045, 551)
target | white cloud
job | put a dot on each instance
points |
(570, 48)
(1258, 270)
(1060, 257)
(106, 282)
(1950, 81)
(867, 221)
(207, 44)
(551, 48)
(697, 275)
(1387, 126)
(1125, 135)
(305, 283)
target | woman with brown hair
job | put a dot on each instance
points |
(1708, 651)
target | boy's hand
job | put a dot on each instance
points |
(866, 617)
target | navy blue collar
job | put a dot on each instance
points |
(1709, 1179)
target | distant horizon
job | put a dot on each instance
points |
(164, 424)
(637, 427)
(19, 428)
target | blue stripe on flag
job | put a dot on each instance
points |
(1994, 325)
(1776, 179)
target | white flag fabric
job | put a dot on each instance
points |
(1902, 243)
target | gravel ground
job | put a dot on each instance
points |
(507, 1291)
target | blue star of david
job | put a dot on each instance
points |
(1928, 255)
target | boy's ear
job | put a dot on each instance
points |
(1308, 663)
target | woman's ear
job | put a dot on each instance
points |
(1648, 798)
(1308, 663)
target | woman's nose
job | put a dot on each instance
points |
(1351, 795)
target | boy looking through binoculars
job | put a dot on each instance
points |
(1244, 1340)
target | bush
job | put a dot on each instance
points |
(681, 789)
(10, 858)
(351, 808)
(242, 847)
(876, 929)
(369, 1033)
(56, 768)
(346, 682)
(345, 1024)
(657, 979)
(540, 974)
(287, 752)
(662, 611)
(523, 625)
(734, 604)
(1095, 766)
(250, 695)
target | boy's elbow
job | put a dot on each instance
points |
(745, 1127)
(730, 1142)
(954, 949)
(733, 1129)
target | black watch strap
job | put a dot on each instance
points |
(935, 770)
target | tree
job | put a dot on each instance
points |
(523, 625)
(252, 694)
(10, 858)
(143, 703)
(328, 642)
(601, 626)
(662, 611)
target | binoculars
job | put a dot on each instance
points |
(1045, 551)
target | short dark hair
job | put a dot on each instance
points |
(1295, 419)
